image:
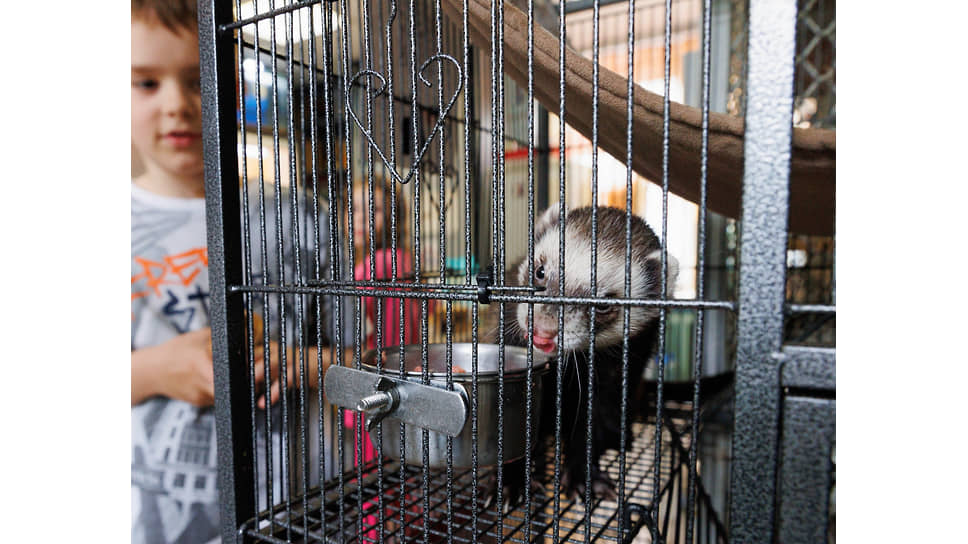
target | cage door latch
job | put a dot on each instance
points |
(484, 279)
(432, 407)
(381, 403)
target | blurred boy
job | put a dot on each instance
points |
(173, 464)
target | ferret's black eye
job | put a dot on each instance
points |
(605, 307)
(539, 273)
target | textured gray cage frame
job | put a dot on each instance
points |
(393, 162)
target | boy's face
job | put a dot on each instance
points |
(166, 105)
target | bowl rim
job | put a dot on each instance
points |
(541, 361)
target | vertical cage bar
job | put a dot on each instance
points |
(500, 250)
(594, 181)
(392, 242)
(298, 352)
(542, 167)
(247, 260)
(264, 267)
(391, 136)
(347, 104)
(769, 112)
(660, 364)
(559, 367)
(627, 284)
(232, 389)
(468, 112)
(317, 237)
(369, 194)
(589, 414)
(285, 458)
(700, 270)
(530, 317)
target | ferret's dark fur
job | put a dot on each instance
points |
(574, 340)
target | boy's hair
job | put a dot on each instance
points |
(175, 15)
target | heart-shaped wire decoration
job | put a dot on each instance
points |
(449, 172)
(383, 85)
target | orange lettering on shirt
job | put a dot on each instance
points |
(181, 268)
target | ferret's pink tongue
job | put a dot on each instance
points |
(546, 345)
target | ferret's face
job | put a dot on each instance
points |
(610, 283)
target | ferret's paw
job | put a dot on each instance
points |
(512, 492)
(602, 486)
(489, 487)
(566, 481)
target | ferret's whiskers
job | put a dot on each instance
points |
(492, 333)
(574, 358)
(577, 376)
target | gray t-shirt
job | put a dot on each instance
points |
(173, 459)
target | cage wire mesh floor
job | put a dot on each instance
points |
(334, 512)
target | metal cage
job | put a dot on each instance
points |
(325, 118)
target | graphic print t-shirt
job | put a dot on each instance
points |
(173, 493)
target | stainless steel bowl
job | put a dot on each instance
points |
(515, 399)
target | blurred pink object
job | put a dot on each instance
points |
(383, 268)
(391, 306)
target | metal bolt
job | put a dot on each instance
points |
(374, 401)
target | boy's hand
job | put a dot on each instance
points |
(275, 366)
(311, 355)
(190, 376)
(181, 368)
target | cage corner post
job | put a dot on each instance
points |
(233, 432)
(763, 244)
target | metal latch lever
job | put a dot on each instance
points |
(432, 407)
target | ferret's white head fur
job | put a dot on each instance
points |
(610, 279)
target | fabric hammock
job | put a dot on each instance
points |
(813, 159)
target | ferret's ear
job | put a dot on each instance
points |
(548, 220)
(672, 274)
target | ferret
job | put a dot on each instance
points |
(573, 340)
